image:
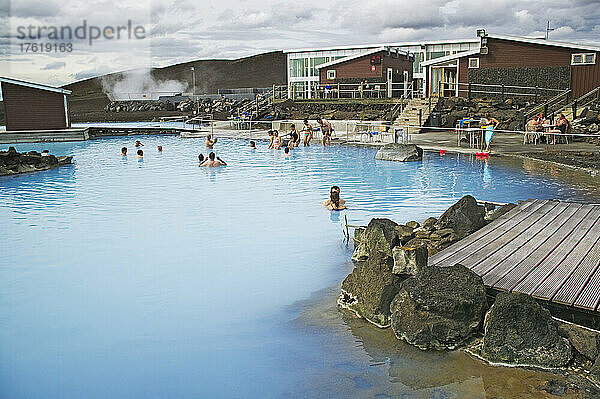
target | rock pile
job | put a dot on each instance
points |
(13, 162)
(588, 121)
(222, 105)
(509, 112)
(434, 307)
(290, 109)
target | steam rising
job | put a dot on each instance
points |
(139, 85)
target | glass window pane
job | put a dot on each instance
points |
(589, 58)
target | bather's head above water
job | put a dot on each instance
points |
(124, 151)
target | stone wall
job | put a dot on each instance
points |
(545, 77)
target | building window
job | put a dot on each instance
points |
(473, 63)
(583, 59)
(331, 74)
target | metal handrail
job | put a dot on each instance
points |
(546, 106)
(580, 101)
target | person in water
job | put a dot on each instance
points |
(294, 137)
(252, 145)
(210, 142)
(308, 133)
(271, 139)
(286, 152)
(201, 159)
(335, 203)
(124, 151)
(276, 140)
(140, 153)
(138, 143)
(212, 162)
(326, 130)
(159, 148)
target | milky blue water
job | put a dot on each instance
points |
(129, 278)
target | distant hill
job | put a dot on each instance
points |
(263, 70)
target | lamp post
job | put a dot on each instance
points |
(193, 80)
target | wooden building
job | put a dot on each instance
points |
(33, 106)
(382, 66)
(518, 62)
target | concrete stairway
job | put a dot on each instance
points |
(410, 114)
(44, 136)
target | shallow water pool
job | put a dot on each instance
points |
(129, 278)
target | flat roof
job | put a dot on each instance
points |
(544, 42)
(449, 57)
(368, 46)
(355, 56)
(34, 85)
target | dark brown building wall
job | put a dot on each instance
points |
(463, 76)
(27, 108)
(361, 68)
(585, 78)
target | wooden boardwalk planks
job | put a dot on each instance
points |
(547, 249)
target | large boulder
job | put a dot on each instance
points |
(379, 236)
(464, 217)
(370, 288)
(584, 340)
(399, 152)
(518, 330)
(439, 308)
(409, 260)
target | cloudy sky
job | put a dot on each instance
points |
(183, 30)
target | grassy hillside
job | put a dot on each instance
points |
(263, 70)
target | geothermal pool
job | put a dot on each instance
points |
(130, 278)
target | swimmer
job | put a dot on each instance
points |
(210, 142)
(140, 154)
(271, 139)
(124, 151)
(308, 133)
(294, 137)
(45, 153)
(138, 143)
(335, 203)
(201, 160)
(286, 152)
(326, 130)
(211, 163)
(252, 145)
(159, 148)
(276, 140)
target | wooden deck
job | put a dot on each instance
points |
(547, 249)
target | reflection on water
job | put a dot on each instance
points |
(122, 278)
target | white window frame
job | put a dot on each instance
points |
(471, 66)
(583, 56)
(330, 74)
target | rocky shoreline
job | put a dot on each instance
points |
(433, 308)
(13, 162)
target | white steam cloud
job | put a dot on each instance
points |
(139, 85)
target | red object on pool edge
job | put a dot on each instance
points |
(442, 152)
(482, 154)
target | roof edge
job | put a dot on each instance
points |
(34, 85)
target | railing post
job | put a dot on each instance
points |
(574, 109)
(546, 109)
(420, 117)
(469, 92)
(536, 94)
(439, 88)
(502, 91)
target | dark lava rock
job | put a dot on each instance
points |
(409, 260)
(399, 152)
(584, 340)
(12, 162)
(370, 288)
(439, 308)
(518, 330)
(429, 224)
(413, 224)
(464, 217)
(432, 249)
(502, 210)
(404, 233)
(595, 372)
(379, 236)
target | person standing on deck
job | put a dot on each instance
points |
(488, 124)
